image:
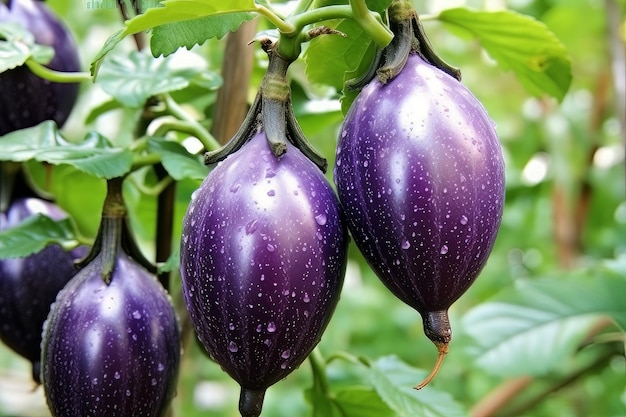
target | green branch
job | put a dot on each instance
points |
(57, 76)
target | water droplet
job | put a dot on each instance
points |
(344, 133)
(365, 163)
(444, 249)
(271, 193)
(270, 247)
(283, 365)
(286, 354)
(232, 347)
(464, 220)
(267, 342)
(271, 327)
(306, 297)
(231, 326)
(117, 375)
(259, 328)
(321, 219)
(406, 244)
(160, 367)
(235, 187)
(94, 381)
(269, 172)
(128, 393)
(252, 226)
(136, 314)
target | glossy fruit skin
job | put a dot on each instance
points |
(420, 175)
(28, 286)
(27, 99)
(111, 350)
(263, 257)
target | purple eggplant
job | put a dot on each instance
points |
(27, 99)
(420, 176)
(263, 255)
(111, 343)
(28, 286)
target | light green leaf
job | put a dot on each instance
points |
(362, 402)
(177, 161)
(132, 79)
(167, 38)
(173, 11)
(17, 45)
(518, 43)
(44, 143)
(34, 234)
(534, 326)
(394, 381)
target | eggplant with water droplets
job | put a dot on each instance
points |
(420, 176)
(263, 255)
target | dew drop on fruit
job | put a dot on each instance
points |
(271, 193)
(306, 297)
(270, 247)
(444, 249)
(136, 315)
(271, 327)
(128, 393)
(231, 326)
(259, 328)
(117, 375)
(406, 244)
(286, 354)
(321, 219)
(235, 187)
(232, 347)
(464, 220)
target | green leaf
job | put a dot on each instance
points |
(394, 381)
(534, 326)
(132, 79)
(362, 402)
(34, 234)
(518, 43)
(18, 45)
(329, 57)
(173, 11)
(166, 39)
(177, 161)
(44, 143)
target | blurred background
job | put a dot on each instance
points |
(565, 214)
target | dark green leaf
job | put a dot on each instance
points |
(177, 161)
(34, 234)
(518, 43)
(166, 39)
(17, 45)
(394, 381)
(532, 327)
(44, 143)
(133, 79)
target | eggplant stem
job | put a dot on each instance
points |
(442, 349)
(251, 402)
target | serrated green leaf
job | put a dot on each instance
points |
(394, 381)
(177, 161)
(166, 39)
(362, 402)
(329, 57)
(532, 327)
(172, 11)
(34, 234)
(18, 45)
(518, 43)
(132, 79)
(44, 143)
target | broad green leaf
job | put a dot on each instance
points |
(362, 402)
(167, 38)
(44, 143)
(173, 11)
(131, 80)
(177, 161)
(534, 326)
(17, 45)
(329, 57)
(394, 381)
(34, 234)
(518, 43)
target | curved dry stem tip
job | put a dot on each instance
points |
(442, 348)
(251, 402)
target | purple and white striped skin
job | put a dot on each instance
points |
(111, 350)
(263, 256)
(27, 99)
(29, 285)
(420, 176)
